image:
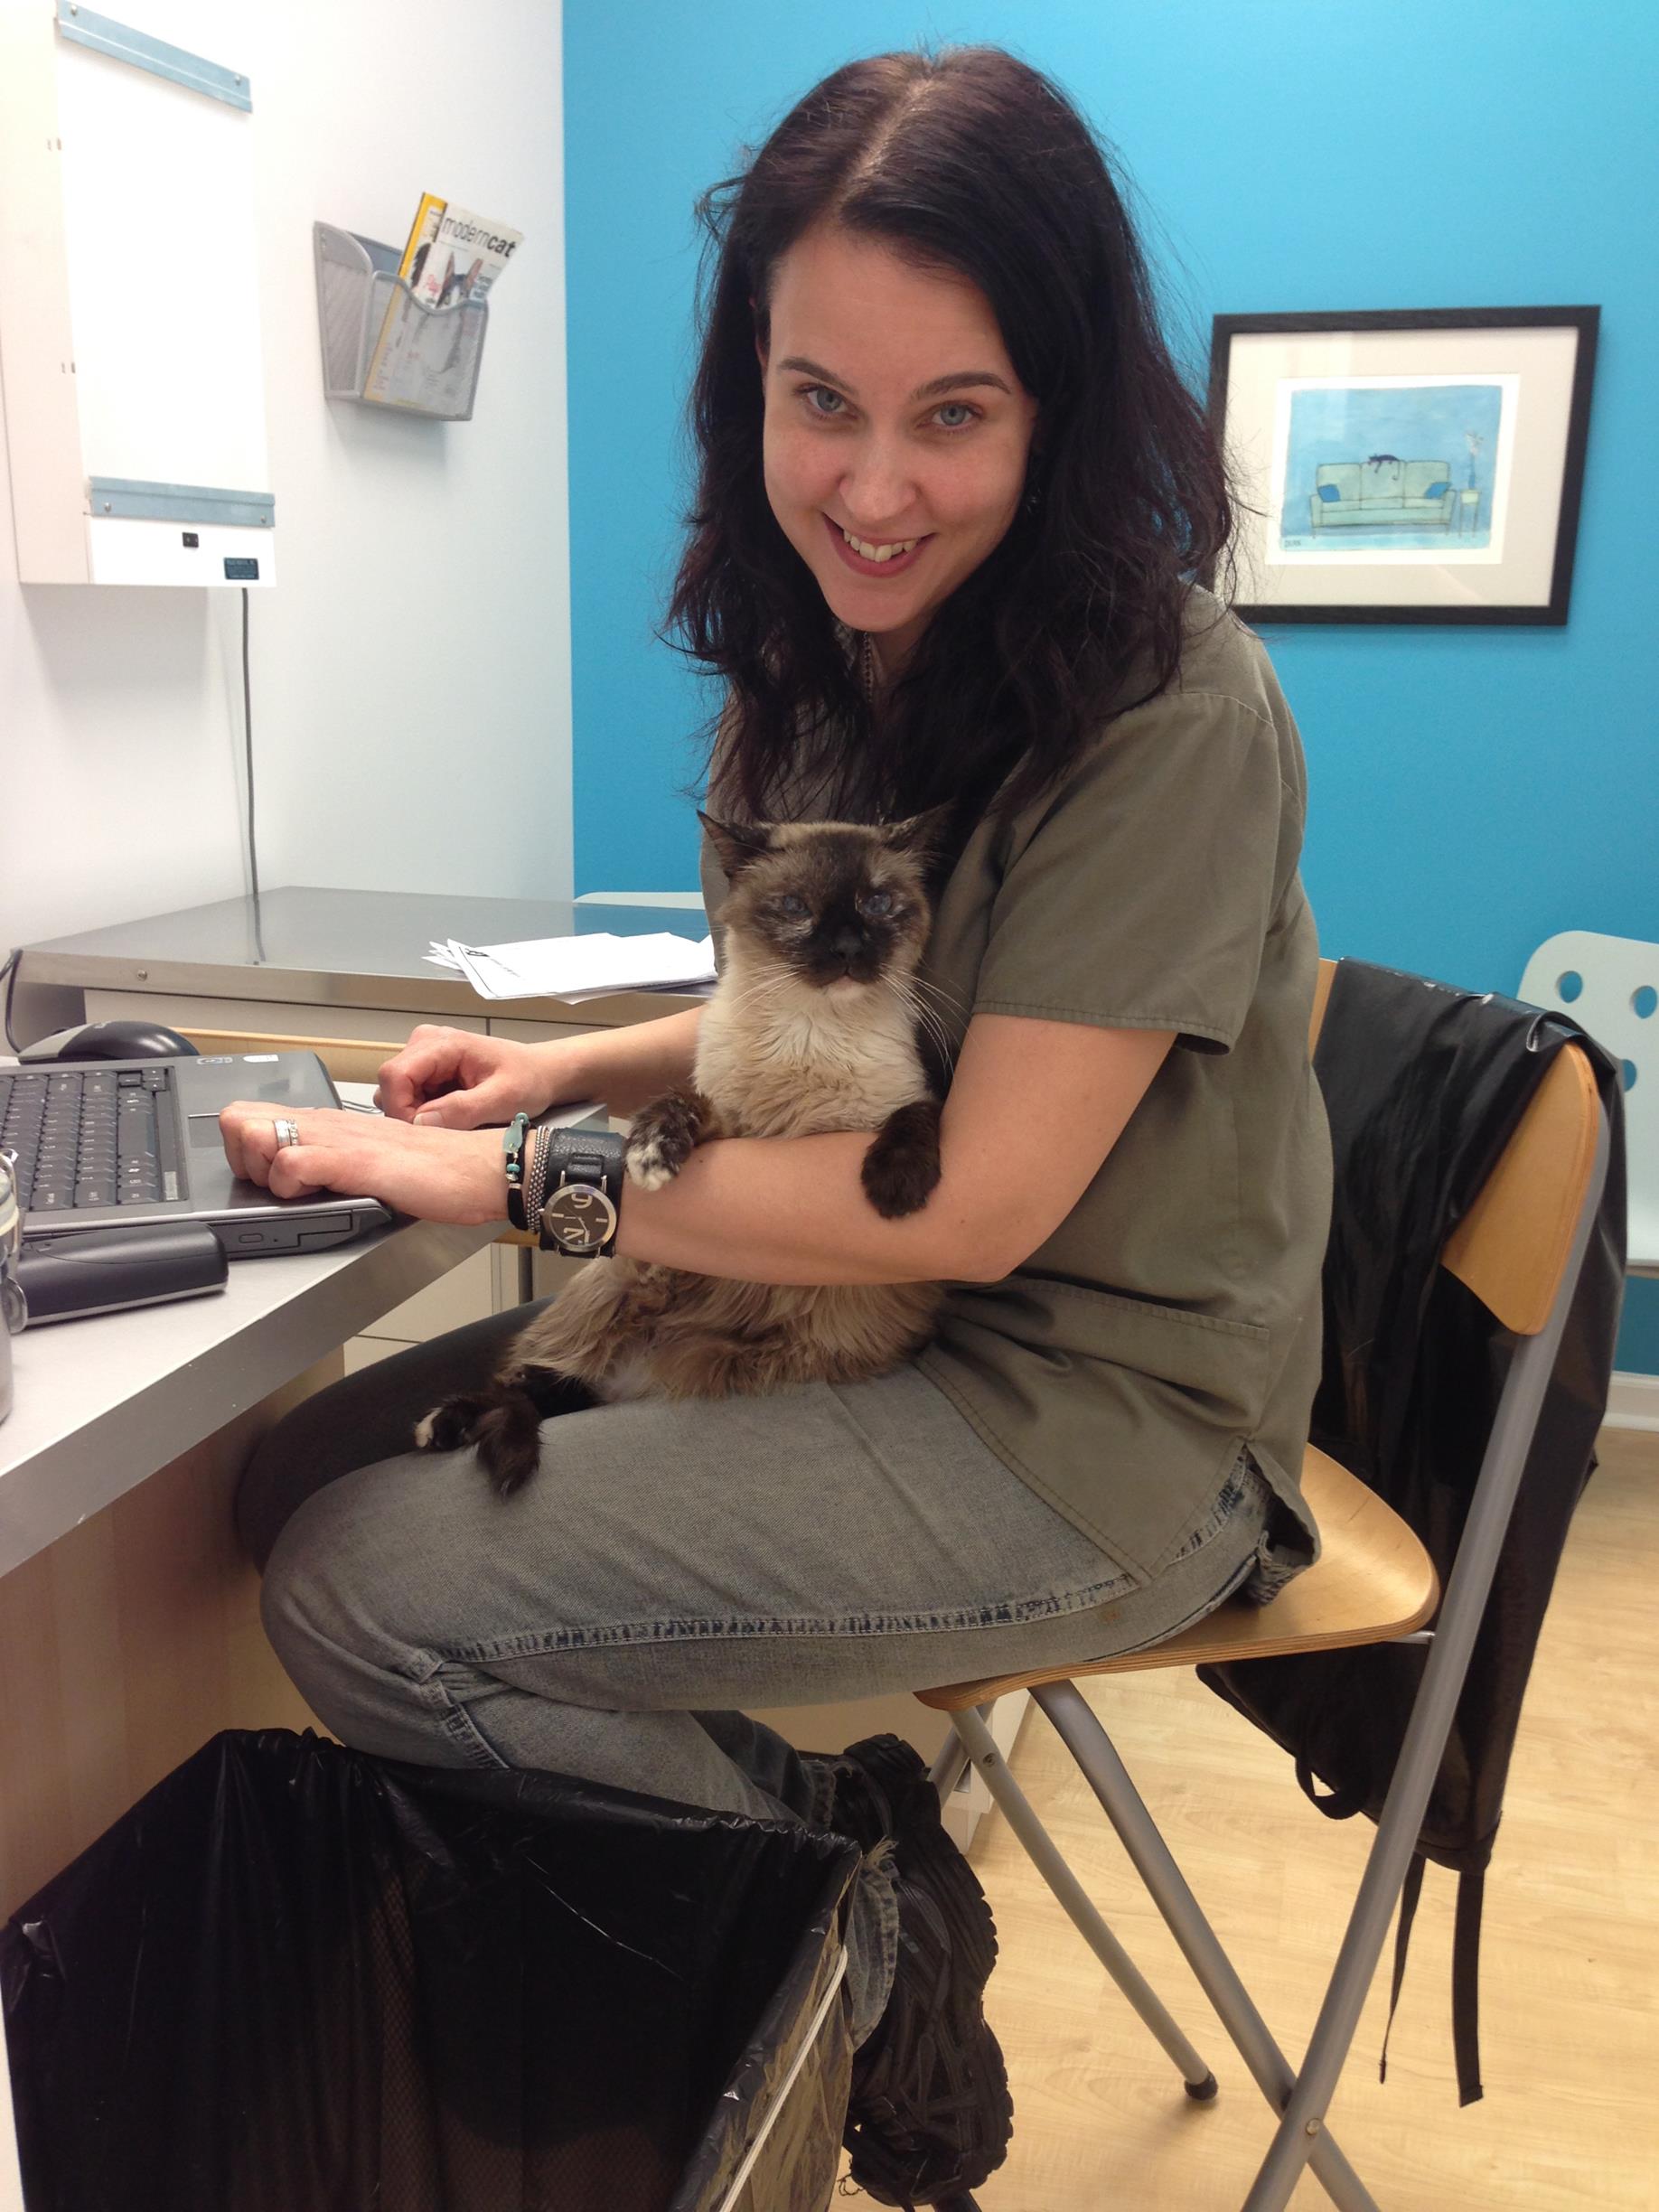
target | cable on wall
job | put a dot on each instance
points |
(253, 849)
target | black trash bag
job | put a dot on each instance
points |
(296, 1978)
(1423, 1085)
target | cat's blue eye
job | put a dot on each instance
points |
(876, 902)
(792, 903)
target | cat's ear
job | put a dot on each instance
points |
(919, 835)
(738, 844)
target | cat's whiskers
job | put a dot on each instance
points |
(948, 998)
(954, 1007)
(766, 986)
(925, 1016)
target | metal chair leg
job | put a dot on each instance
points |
(1080, 1730)
(1016, 1806)
(946, 1770)
(1514, 1427)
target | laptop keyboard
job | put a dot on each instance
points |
(91, 1137)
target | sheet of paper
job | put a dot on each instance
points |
(577, 968)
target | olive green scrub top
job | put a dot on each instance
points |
(1175, 1315)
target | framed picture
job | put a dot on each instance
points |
(1419, 466)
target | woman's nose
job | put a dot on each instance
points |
(878, 491)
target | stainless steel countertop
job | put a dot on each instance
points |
(349, 949)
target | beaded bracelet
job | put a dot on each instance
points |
(513, 1158)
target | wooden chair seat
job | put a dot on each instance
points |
(1373, 1580)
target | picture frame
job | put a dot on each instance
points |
(1410, 465)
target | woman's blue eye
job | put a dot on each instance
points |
(792, 903)
(876, 902)
(957, 406)
(813, 393)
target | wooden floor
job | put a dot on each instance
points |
(1571, 1980)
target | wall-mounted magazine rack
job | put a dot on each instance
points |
(383, 347)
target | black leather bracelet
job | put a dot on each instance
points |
(580, 1174)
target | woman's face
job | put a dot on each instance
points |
(893, 416)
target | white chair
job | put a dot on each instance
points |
(1610, 987)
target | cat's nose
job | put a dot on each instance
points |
(846, 943)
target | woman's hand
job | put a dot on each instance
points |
(442, 1175)
(454, 1079)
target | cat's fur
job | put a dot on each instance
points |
(814, 1027)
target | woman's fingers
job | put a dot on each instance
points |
(437, 1175)
(253, 1145)
(428, 1066)
(487, 1101)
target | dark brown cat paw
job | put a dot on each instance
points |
(901, 1169)
(451, 1426)
(662, 1137)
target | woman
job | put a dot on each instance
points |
(952, 498)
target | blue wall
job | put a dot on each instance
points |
(1472, 791)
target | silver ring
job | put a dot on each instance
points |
(287, 1133)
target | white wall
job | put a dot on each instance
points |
(411, 684)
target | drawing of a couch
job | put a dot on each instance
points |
(1379, 495)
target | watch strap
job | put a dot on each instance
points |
(564, 1156)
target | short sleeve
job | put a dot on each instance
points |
(1141, 898)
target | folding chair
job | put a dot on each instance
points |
(1520, 1250)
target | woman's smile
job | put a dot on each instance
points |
(896, 555)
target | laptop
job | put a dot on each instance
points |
(104, 1143)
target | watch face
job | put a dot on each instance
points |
(580, 1218)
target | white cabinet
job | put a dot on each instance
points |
(130, 304)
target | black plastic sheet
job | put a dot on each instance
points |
(296, 1978)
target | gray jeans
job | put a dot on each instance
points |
(670, 1565)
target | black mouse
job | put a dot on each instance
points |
(110, 1040)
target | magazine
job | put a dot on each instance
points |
(468, 254)
(424, 358)
(397, 337)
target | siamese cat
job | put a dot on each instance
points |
(814, 1026)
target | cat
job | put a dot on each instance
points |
(813, 1026)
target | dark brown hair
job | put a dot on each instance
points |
(972, 162)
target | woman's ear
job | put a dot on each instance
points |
(739, 844)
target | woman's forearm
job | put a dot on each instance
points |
(627, 1066)
(791, 1210)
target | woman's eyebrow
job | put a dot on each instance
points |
(957, 381)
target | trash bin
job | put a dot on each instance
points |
(296, 1978)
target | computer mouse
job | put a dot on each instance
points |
(110, 1040)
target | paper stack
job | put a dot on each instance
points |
(577, 968)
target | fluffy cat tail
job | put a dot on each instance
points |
(509, 1440)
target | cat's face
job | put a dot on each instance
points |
(839, 906)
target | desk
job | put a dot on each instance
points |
(318, 950)
(129, 1627)
(345, 972)
(129, 1617)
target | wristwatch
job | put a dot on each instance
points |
(572, 1191)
